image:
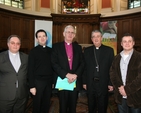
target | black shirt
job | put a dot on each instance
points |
(39, 66)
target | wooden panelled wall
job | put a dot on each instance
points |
(130, 23)
(23, 25)
(18, 24)
(83, 25)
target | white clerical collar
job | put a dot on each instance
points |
(67, 43)
(43, 46)
(97, 47)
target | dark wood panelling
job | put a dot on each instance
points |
(121, 30)
(23, 25)
(19, 24)
(83, 24)
(136, 30)
(5, 26)
(130, 23)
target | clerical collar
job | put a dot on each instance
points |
(42, 46)
(68, 43)
(97, 47)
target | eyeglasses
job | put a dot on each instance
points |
(68, 32)
(13, 43)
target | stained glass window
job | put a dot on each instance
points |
(13, 3)
(134, 4)
(75, 6)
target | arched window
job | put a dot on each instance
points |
(134, 4)
(13, 3)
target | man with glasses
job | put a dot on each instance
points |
(67, 63)
(13, 78)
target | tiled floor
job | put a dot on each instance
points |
(81, 105)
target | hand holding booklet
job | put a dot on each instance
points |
(63, 84)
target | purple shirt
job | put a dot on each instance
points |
(69, 51)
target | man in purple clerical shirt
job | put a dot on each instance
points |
(67, 62)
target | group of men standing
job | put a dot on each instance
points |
(96, 70)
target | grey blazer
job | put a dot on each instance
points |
(8, 77)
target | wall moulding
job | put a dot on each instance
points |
(87, 18)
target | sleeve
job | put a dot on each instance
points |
(80, 66)
(111, 58)
(115, 74)
(56, 64)
(31, 65)
(134, 82)
(84, 76)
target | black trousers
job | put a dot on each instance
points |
(124, 108)
(41, 101)
(96, 100)
(67, 101)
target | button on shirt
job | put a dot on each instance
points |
(124, 66)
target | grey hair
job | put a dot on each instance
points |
(69, 26)
(11, 36)
(95, 31)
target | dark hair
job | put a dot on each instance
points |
(11, 36)
(128, 34)
(40, 30)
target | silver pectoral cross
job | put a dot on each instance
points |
(97, 68)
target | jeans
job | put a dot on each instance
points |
(124, 108)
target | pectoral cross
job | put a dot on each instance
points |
(69, 58)
(97, 67)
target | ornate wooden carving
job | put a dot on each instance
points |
(85, 18)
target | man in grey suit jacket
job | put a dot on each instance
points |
(13, 78)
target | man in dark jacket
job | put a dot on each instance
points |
(67, 62)
(96, 80)
(125, 74)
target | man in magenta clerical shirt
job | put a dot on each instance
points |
(67, 62)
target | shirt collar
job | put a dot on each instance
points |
(130, 53)
(42, 46)
(68, 43)
(13, 53)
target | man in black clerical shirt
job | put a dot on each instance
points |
(98, 59)
(40, 74)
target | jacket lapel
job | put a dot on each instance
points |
(7, 60)
(65, 59)
(92, 56)
(131, 62)
(22, 60)
(74, 55)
